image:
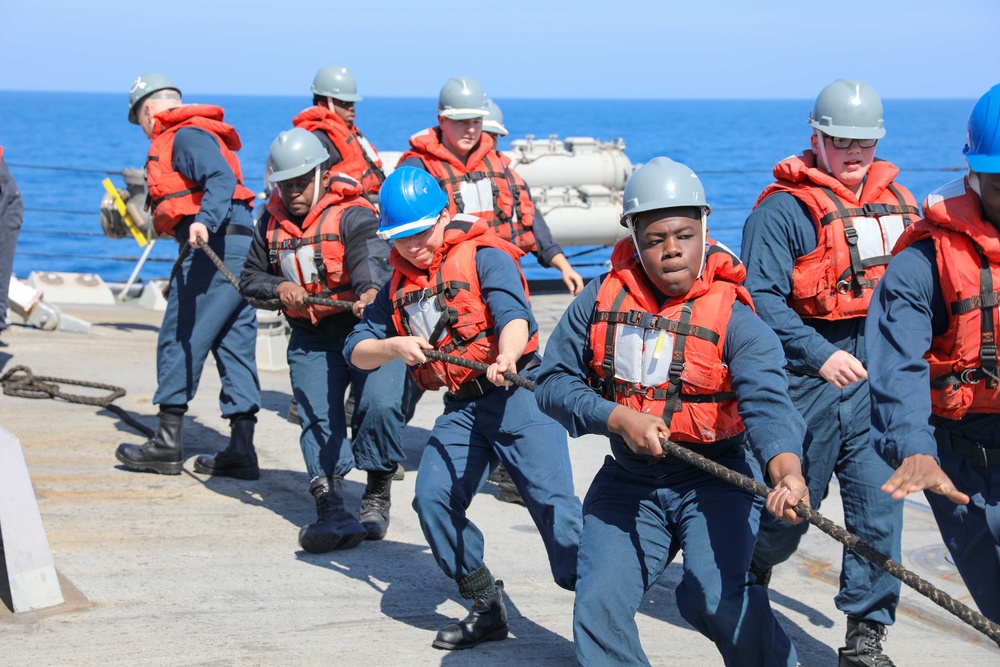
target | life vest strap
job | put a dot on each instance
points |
(644, 320)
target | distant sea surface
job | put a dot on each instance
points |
(59, 144)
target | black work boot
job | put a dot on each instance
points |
(375, 504)
(506, 490)
(238, 459)
(864, 645)
(335, 527)
(760, 575)
(163, 453)
(487, 622)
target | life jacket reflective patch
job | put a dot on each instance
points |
(964, 369)
(642, 356)
(854, 237)
(423, 318)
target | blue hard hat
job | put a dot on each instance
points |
(982, 147)
(410, 201)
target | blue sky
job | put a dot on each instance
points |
(516, 49)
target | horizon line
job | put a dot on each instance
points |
(506, 99)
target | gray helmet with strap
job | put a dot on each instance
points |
(143, 87)
(462, 98)
(294, 153)
(850, 109)
(493, 121)
(662, 183)
(336, 82)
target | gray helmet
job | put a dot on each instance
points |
(336, 82)
(294, 153)
(143, 87)
(493, 122)
(462, 98)
(850, 109)
(662, 183)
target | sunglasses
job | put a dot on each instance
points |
(845, 142)
(342, 104)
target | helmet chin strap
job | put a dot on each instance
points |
(822, 151)
(974, 183)
(316, 180)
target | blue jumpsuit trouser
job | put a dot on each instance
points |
(320, 377)
(840, 421)
(972, 532)
(473, 436)
(634, 523)
(206, 315)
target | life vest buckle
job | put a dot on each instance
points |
(970, 376)
(843, 286)
(876, 210)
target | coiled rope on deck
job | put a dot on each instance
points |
(852, 542)
(20, 381)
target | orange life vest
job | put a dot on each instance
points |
(359, 158)
(172, 195)
(444, 303)
(481, 187)
(312, 255)
(667, 359)
(963, 360)
(517, 227)
(854, 237)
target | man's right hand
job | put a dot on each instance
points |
(292, 295)
(410, 349)
(642, 431)
(842, 369)
(919, 472)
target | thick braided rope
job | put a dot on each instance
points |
(20, 381)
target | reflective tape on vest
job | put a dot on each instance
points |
(642, 356)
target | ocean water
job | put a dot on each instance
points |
(61, 145)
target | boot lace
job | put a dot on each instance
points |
(873, 647)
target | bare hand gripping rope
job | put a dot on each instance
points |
(852, 542)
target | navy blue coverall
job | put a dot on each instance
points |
(907, 310)
(204, 313)
(472, 436)
(639, 513)
(778, 232)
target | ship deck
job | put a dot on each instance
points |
(192, 570)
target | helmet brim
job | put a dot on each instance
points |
(343, 97)
(983, 164)
(293, 172)
(848, 132)
(462, 114)
(409, 229)
(494, 127)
